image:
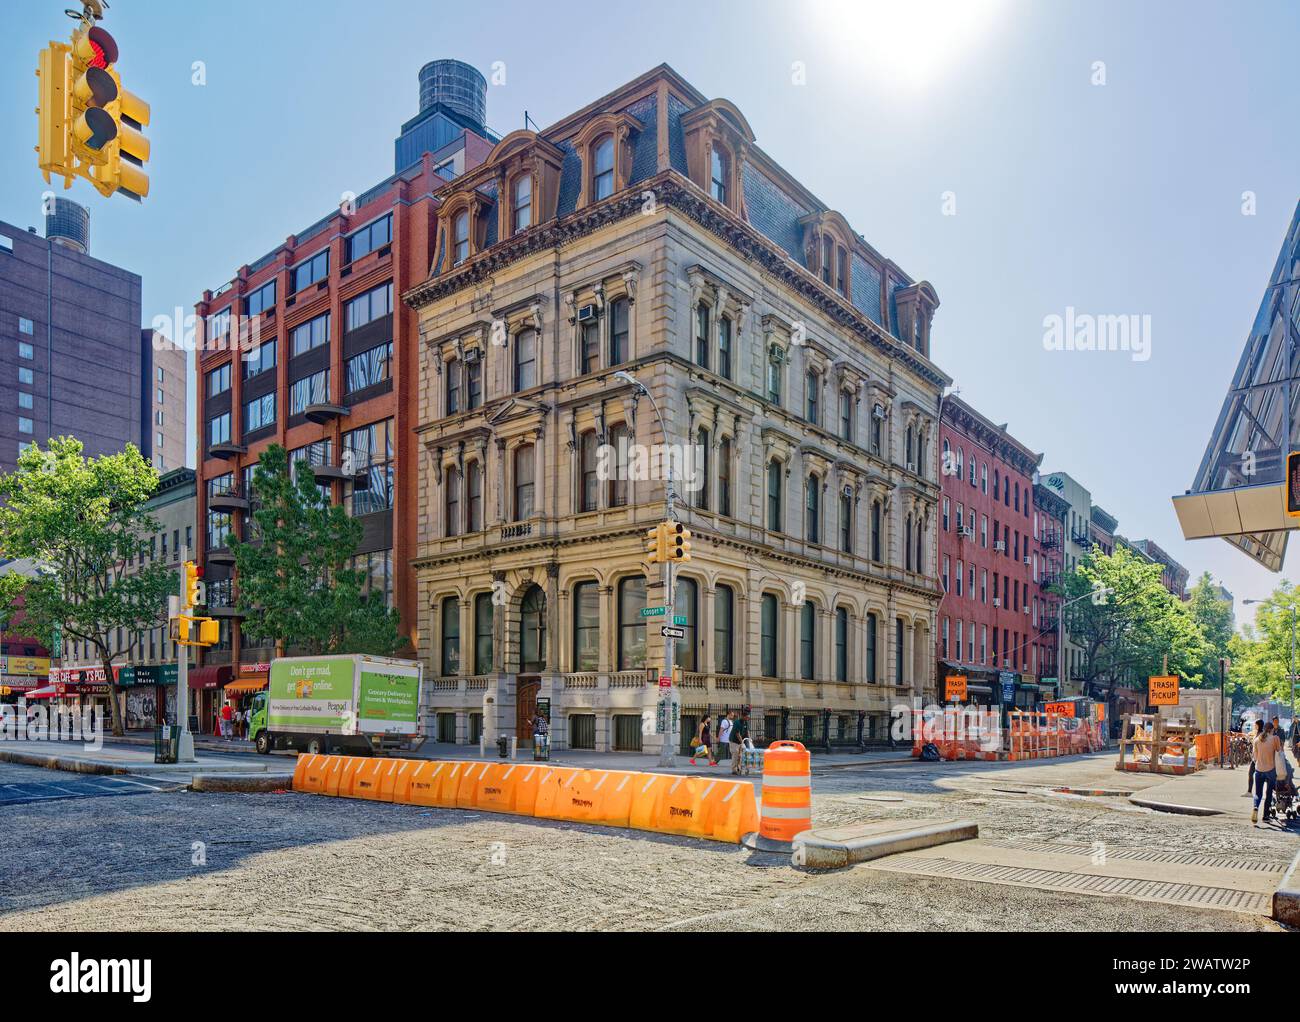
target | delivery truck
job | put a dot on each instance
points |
(345, 702)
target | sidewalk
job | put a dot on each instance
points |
(1209, 792)
(74, 757)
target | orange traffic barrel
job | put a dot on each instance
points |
(787, 792)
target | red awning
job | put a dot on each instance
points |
(48, 692)
(209, 677)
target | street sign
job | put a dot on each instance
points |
(669, 632)
(1162, 690)
(654, 611)
(665, 682)
(954, 687)
(1059, 709)
(679, 619)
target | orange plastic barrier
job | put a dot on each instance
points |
(787, 791)
(368, 778)
(705, 807)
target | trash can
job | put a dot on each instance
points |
(503, 747)
(541, 747)
(167, 744)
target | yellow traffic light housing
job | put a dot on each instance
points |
(209, 631)
(656, 544)
(679, 540)
(88, 125)
(188, 630)
(193, 594)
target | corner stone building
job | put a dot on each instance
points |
(648, 233)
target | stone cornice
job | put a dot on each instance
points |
(673, 191)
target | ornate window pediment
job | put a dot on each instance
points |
(718, 138)
(828, 243)
(916, 305)
(618, 128)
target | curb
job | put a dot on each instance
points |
(1171, 807)
(72, 766)
(241, 782)
(1096, 792)
(815, 852)
(1286, 899)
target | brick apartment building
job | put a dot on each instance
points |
(308, 347)
(991, 617)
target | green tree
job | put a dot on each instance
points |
(292, 577)
(1261, 654)
(83, 521)
(1127, 633)
(1214, 616)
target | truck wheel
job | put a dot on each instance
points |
(263, 743)
(317, 747)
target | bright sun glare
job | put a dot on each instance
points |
(910, 42)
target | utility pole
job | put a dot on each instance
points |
(186, 747)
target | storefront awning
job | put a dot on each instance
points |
(209, 677)
(242, 685)
(48, 692)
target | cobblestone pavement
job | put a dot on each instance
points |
(289, 861)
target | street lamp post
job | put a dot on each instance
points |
(667, 753)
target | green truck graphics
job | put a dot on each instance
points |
(390, 699)
(311, 694)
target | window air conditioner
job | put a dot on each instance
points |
(587, 314)
(473, 355)
(1000, 546)
(878, 411)
(997, 601)
(911, 467)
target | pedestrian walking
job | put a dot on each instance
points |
(227, 716)
(724, 732)
(1265, 750)
(737, 739)
(703, 741)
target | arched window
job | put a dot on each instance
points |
(767, 636)
(602, 180)
(703, 445)
(724, 477)
(532, 630)
(702, 335)
(521, 204)
(619, 439)
(872, 622)
(587, 481)
(875, 531)
(686, 603)
(474, 496)
(907, 543)
(720, 175)
(812, 387)
(618, 332)
(920, 546)
(450, 637)
(483, 633)
(807, 641)
(813, 509)
(631, 626)
(846, 523)
(774, 495)
(898, 652)
(460, 238)
(724, 604)
(526, 359)
(523, 472)
(452, 493)
(589, 346)
(586, 627)
(724, 347)
(910, 458)
(841, 644)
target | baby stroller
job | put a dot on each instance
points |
(1286, 799)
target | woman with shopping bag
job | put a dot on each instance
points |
(702, 741)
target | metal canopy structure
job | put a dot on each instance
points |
(1239, 491)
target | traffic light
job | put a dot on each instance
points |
(52, 154)
(1293, 484)
(679, 541)
(88, 125)
(209, 631)
(195, 593)
(656, 544)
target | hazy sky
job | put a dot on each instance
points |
(1117, 198)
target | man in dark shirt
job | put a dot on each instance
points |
(739, 732)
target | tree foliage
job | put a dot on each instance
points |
(1214, 616)
(85, 525)
(294, 584)
(1261, 654)
(1126, 634)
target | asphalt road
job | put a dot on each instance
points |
(290, 861)
(20, 785)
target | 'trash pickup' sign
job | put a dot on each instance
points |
(1162, 690)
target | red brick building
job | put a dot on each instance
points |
(989, 617)
(311, 348)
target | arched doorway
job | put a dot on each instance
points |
(532, 658)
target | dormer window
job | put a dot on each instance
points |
(720, 175)
(521, 204)
(602, 169)
(828, 258)
(460, 231)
